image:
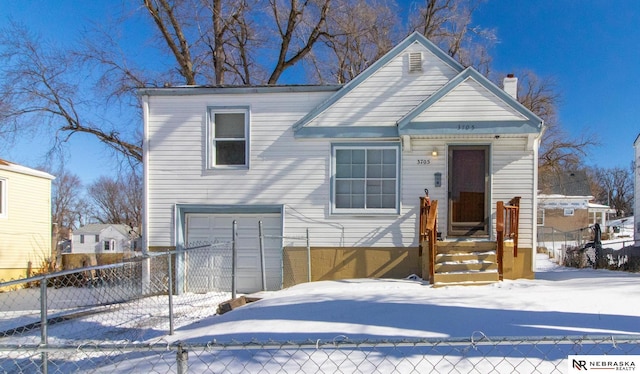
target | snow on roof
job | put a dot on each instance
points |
(594, 206)
(97, 228)
(10, 166)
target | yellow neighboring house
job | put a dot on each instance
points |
(25, 219)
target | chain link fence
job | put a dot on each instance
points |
(127, 302)
(479, 354)
(117, 318)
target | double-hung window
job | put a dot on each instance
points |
(228, 145)
(365, 179)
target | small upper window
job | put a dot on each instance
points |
(229, 137)
(3, 198)
(81, 239)
(97, 239)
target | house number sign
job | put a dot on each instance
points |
(466, 127)
(422, 161)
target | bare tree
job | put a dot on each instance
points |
(359, 32)
(614, 187)
(69, 209)
(448, 23)
(299, 25)
(559, 152)
(169, 21)
(118, 200)
(41, 86)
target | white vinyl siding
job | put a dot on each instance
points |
(283, 170)
(389, 93)
(469, 101)
(298, 173)
(512, 168)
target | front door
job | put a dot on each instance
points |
(468, 186)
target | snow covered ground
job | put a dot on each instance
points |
(559, 302)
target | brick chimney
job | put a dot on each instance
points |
(510, 85)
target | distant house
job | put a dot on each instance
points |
(102, 239)
(25, 220)
(565, 205)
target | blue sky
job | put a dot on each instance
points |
(590, 48)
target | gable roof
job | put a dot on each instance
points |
(508, 115)
(305, 127)
(386, 102)
(573, 183)
(97, 228)
(10, 166)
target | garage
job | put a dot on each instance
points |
(209, 268)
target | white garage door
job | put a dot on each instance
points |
(217, 267)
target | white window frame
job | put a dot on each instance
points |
(366, 211)
(108, 245)
(211, 139)
(541, 214)
(568, 212)
(3, 198)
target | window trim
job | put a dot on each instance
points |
(364, 211)
(210, 150)
(540, 217)
(3, 198)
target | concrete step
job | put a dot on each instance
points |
(467, 256)
(470, 277)
(465, 266)
(465, 246)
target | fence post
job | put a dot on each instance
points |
(43, 324)
(182, 360)
(234, 258)
(308, 258)
(262, 264)
(146, 275)
(170, 291)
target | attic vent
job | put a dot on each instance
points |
(415, 62)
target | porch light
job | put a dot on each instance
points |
(434, 152)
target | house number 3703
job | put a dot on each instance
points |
(423, 162)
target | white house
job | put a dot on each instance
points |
(101, 238)
(347, 163)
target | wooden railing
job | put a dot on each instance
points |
(428, 231)
(507, 220)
